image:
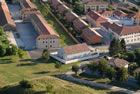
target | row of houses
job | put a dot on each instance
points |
(90, 35)
(47, 38)
(6, 19)
(96, 18)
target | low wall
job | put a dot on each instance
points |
(54, 55)
(65, 29)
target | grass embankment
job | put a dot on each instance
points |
(59, 87)
(13, 69)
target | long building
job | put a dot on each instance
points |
(6, 19)
(47, 38)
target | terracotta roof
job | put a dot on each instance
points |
(63, 8)
(71, 15)
(137, 69)
(121, 30)
(96, 16)
(106, 12)
(44, 27)
(47, 36)
(90, 32)
(56, 2)
(131, 15)
(80, 23)
(5, 17)
(116, 62)
(74, 49)
(120, 13)
(28, 4)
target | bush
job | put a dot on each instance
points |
(49, 88)
(25, 84)
(50, 22)
(58, 64)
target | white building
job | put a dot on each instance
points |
(74, 52)
(131, 35)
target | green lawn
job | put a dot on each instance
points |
(12, 69)
(59, 87)
(65, 39)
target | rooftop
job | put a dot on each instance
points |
(74, 49)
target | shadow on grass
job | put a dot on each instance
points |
(34, 62)
(42, 72)
(19, 90)
(5, 61)
(117, 92)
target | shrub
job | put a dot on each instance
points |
(49, 88)
(25, 84)
(58, 64)
(50, 22)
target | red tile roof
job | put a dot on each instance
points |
(118, 62)
(120, 13)
(121, 30)
(80, 23)
(5, 17)
(106, 12)
(74, 49)
(96, 16)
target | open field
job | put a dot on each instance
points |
(59, 87)
(12, 69)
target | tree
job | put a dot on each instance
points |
(79, 7)
(115, 47)
(49, 88)
(122, 74)
(45, 9)
(58, 64)
(20, 53)
(45, 54)
(14, 50)
(123, 46)
(2, 50)
(111, 73)
(94, 66)
(138, 79)
(137, 53)
(75, 68)
(1, 30)
(131, 57)
(83, 67)
(103, 65)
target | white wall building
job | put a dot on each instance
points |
(74, 52)
(131, 35)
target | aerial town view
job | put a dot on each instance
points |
(69, 46)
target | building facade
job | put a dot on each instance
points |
(74, 52)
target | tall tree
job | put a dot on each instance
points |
(123, 45)
(1, 30)
(122, 74)
(115, 47)
(45, 54)
(2, 50)
(79, 7)
(131, 57)
(137, 53)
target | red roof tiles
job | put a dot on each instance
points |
(74, 49)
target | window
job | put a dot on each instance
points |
(43, 42)
(46, 46)
(50, 41)
(50, 45)
(53, 41)
(46, 41)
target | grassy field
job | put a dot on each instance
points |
(59, 87)
(12, 69)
